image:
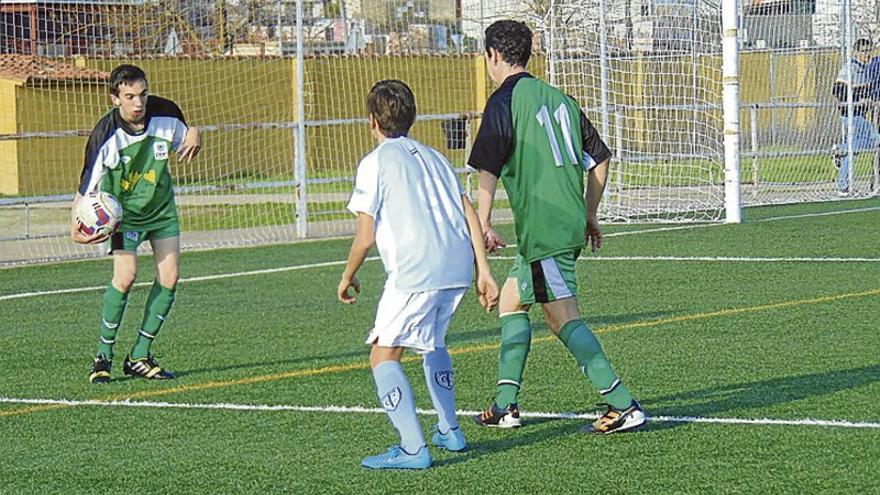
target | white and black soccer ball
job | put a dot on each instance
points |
(98, 213)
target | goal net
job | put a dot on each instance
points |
(649, 77)
(278, 89)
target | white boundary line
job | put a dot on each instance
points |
(370, 410)
(726, 259)
(23, 295)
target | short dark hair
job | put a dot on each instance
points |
(862, 44)
(393, 105)
(127, 74)
(512, 39)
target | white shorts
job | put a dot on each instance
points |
(417, 320)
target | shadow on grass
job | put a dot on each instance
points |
(455, 337)
(712, 401)
(529, 434)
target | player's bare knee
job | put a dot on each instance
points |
(123, 279)
(168, 279)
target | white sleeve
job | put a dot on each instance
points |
(588, 162)
(179, 133)
(365, 197)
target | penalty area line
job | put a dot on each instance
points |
(829, 423)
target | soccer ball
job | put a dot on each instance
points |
(98, 213)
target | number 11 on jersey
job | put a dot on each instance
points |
(562, 118)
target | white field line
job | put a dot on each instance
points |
(370, 410)
(22, 295)
(204, 278)
(726, 259)
(824, 214)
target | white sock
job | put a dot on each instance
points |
(441, 384)
(396, 397)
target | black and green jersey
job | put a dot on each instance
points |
(133, 165)
(536, 139)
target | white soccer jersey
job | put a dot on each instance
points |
(414, 196)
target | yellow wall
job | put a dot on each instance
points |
(237, 93)
(8, 149)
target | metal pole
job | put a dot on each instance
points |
(730, 95)
(550, 52)
(300, 166)
(618, 149)
(278, 30)
(850, 154)
(754, 129)
(772, 63)
(695, 70)
(603, 59)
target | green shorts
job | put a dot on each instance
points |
(546, 280)
(129, 240)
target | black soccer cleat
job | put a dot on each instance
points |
(494, 417)
(100, 372)
(145, 368)
(618, 421)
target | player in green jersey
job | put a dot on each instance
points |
(536, 139)
(128, 155)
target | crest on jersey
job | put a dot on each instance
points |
(444, 379)
(160, 150)
(391, 400)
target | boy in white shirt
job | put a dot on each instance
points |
(409, 201)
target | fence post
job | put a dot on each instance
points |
(618, 149)
(754, 131)
(850, 153)
(603, 72)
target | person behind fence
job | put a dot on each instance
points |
(409, 202)
(538, 141)
(128, 156)
(865, 135)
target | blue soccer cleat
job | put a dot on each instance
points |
(453, 440)
(397, 458)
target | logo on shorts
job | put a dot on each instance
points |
(444, 379)
(132, 236)
(524, 286)
(160, 150)
(392, 399)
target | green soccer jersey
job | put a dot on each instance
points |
(536, 139)
(133, 165)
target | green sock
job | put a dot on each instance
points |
(158, 306)
(583, 345)
(111, 316)
(516, 339)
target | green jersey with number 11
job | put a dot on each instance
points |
(536, 139)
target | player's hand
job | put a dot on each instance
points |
(192, 144)
(487, 292)
(342, 290)
(593, 235)
(493, 240)
(81, 237)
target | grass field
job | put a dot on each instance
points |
(754, 347)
